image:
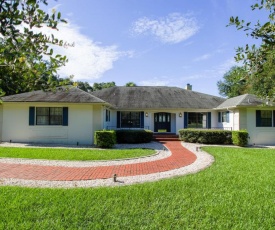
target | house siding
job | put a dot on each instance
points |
(259, 135)
(242, 119)
(236, 120)
(227, 125)
(80, 127)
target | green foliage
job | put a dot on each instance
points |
(130, 84)
(103, 85)
(259, 61)
(234, 82)
(206, 136)
(105, 139)
(22, 51)
(134, 136)
(85, 86)
(77, 154)
(240, 138)
(234, 193)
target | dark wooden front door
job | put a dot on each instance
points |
(162, 122)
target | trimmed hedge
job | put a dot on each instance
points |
(240, 138)
(105, 139)
(134, 136)
(208, 136)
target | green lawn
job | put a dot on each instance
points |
(236, 192)
(73, 154)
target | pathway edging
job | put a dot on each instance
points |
(199, 161)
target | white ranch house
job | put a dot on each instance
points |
(70, 115)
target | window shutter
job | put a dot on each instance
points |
(258, 118)
(31, 115)
(65, 116)
(209, 120)
(219, 117)
(118, 119)
(185, 121)
(142, 120)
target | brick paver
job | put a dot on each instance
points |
(180, 157)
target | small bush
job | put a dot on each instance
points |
(134, 136)
(240, 138)
(105, 139)
(206, 136)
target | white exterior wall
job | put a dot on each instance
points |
(259, 135)
(243, 119)
(98, 117)
(214, 119)
(227, 125)
(177, 121)
(148, 120)
(236, 120)
(81, 124)
(1, 121)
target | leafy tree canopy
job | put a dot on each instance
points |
(234, 82)
(130, 84)
(23, 49)
(258, 60)
(103, 85)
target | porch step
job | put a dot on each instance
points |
(165, 137)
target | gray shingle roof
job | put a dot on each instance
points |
(242, 100)
(156, 97)
(70, 95)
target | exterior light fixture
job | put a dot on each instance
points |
(180, 114)
(146, 114)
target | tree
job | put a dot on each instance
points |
(257, 60)
(130, 84)
(85, 86)
(23, 47)
(103, 85)
(234, 83)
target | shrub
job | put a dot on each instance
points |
(105, 139)
(206, 136)
(240, 138)
(134, 136)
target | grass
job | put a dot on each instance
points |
(73, 154)
(236, 192)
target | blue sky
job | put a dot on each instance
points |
(152, 42)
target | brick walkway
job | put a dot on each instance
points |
(180, 157)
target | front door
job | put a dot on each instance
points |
(162, 122)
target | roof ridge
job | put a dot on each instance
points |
(87, 93)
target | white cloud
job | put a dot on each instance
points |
(172, 29)
(87, 60)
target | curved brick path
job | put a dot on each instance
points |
(180, 157)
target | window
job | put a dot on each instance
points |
(108, 115)
(223, 116)
(130, 120)
(195, 120)
(162, 117)
(49, 116)
(263, 118)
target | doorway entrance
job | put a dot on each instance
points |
(162, 122)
